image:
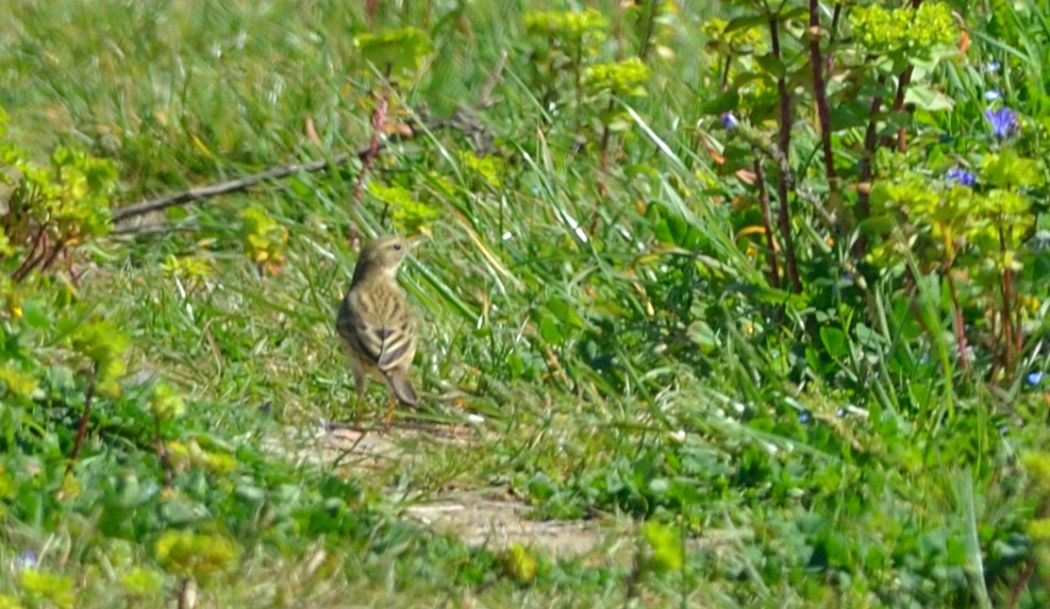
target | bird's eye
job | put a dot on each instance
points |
(397, 246)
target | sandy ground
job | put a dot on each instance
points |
(486, 518)
(491, 518)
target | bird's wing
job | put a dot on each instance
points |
(377, 322)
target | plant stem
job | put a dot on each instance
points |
(866, 170)
(820, 89)
(1010, 341)
(902, 87)
(957, 317)
(898, 103)
(784, 142)
(83, 424)
(603, 159)
(767, 224)
(647, 41)
(32, 257)
(835, 15)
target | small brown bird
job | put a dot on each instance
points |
(375, 322)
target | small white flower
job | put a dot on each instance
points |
(475, 419)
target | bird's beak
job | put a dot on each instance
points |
(415, 241)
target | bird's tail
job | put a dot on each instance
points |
(402, 387)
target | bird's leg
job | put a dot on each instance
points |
(389, 418)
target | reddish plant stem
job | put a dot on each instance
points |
(32, 256)
(82, 425)
(902, 88)
(378, 122)
(835, 16)
(898, 103)
(57, 249)
(1022, 582)
(866, 167)
(820, 89)
(784, 142)
(767, 224)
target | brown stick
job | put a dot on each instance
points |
(277, 173)
(82, 425)
(222, 188)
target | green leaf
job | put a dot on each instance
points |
(1007, 170)
(665, 542)
(745, 22)
(549, 330)
(394, 51)
(834, 341)
(928, 99)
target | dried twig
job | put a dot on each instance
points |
(463, 120)
(214, 190)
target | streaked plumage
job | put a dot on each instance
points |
(375, 322)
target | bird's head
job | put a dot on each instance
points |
(385, 255)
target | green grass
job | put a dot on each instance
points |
(616, 333)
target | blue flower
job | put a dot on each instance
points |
(729, 120)
(840, 412)
(961, 176)
(1034, 378)
(805, 417)
(1004, 122)
(992, 66)
(25, 560)
(992, 95)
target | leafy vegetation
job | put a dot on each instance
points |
(764, 286)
